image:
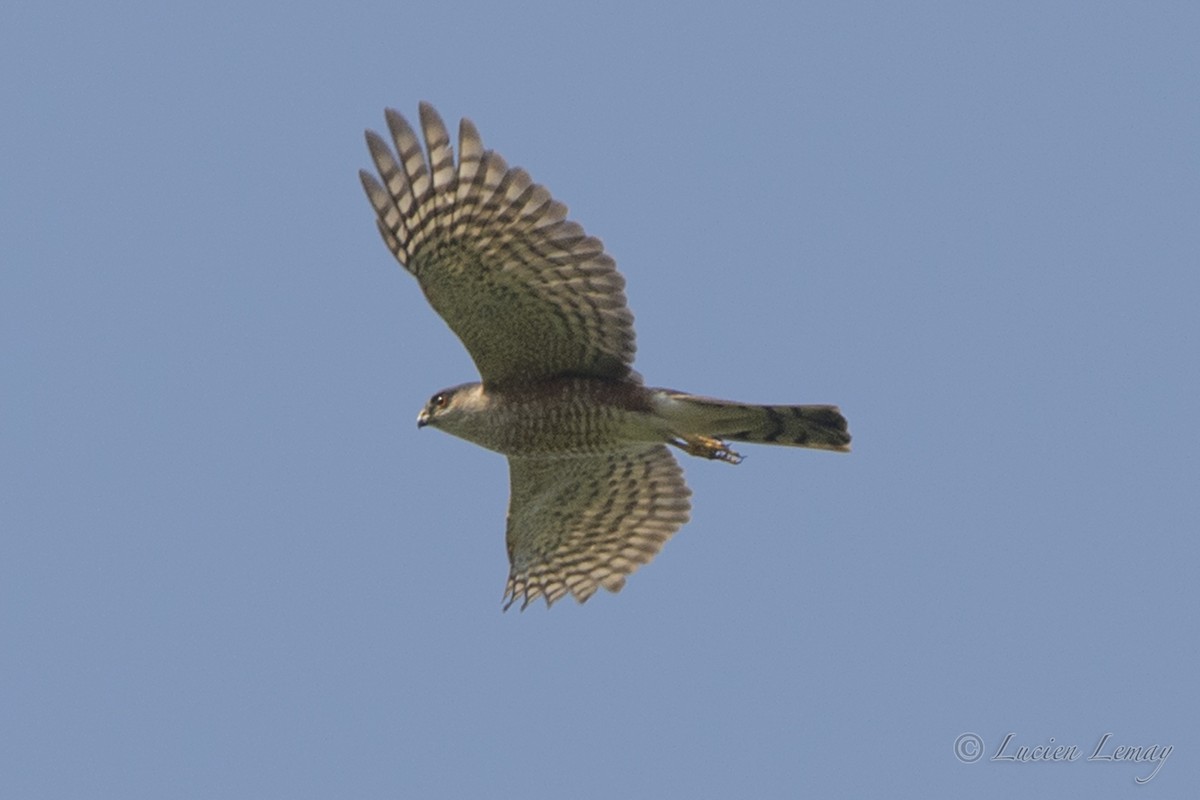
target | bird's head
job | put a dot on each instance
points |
(450, 406)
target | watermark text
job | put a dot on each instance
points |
(970, 747)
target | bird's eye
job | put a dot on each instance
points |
(438, 400)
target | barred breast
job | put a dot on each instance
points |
(567, 416)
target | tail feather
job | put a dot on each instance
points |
(817, 426)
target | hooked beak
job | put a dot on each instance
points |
(422, 418)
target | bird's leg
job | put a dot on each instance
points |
(707, 447)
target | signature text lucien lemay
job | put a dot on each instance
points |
(1105, 750)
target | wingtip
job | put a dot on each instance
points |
(428, 114)
(469, 134)
(393, 116)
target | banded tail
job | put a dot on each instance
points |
(691, 416)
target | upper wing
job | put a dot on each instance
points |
(528, 292)
(577, 523)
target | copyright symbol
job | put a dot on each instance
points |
(968, 748)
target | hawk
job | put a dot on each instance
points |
(539, 305)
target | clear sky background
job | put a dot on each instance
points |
(231, 567)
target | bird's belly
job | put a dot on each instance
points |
(562, 431)
(576, 419)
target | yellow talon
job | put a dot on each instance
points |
(707, 447)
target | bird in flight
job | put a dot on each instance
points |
(539, 305)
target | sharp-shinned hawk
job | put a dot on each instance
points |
(540, 307)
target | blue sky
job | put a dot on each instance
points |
(232, 567)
